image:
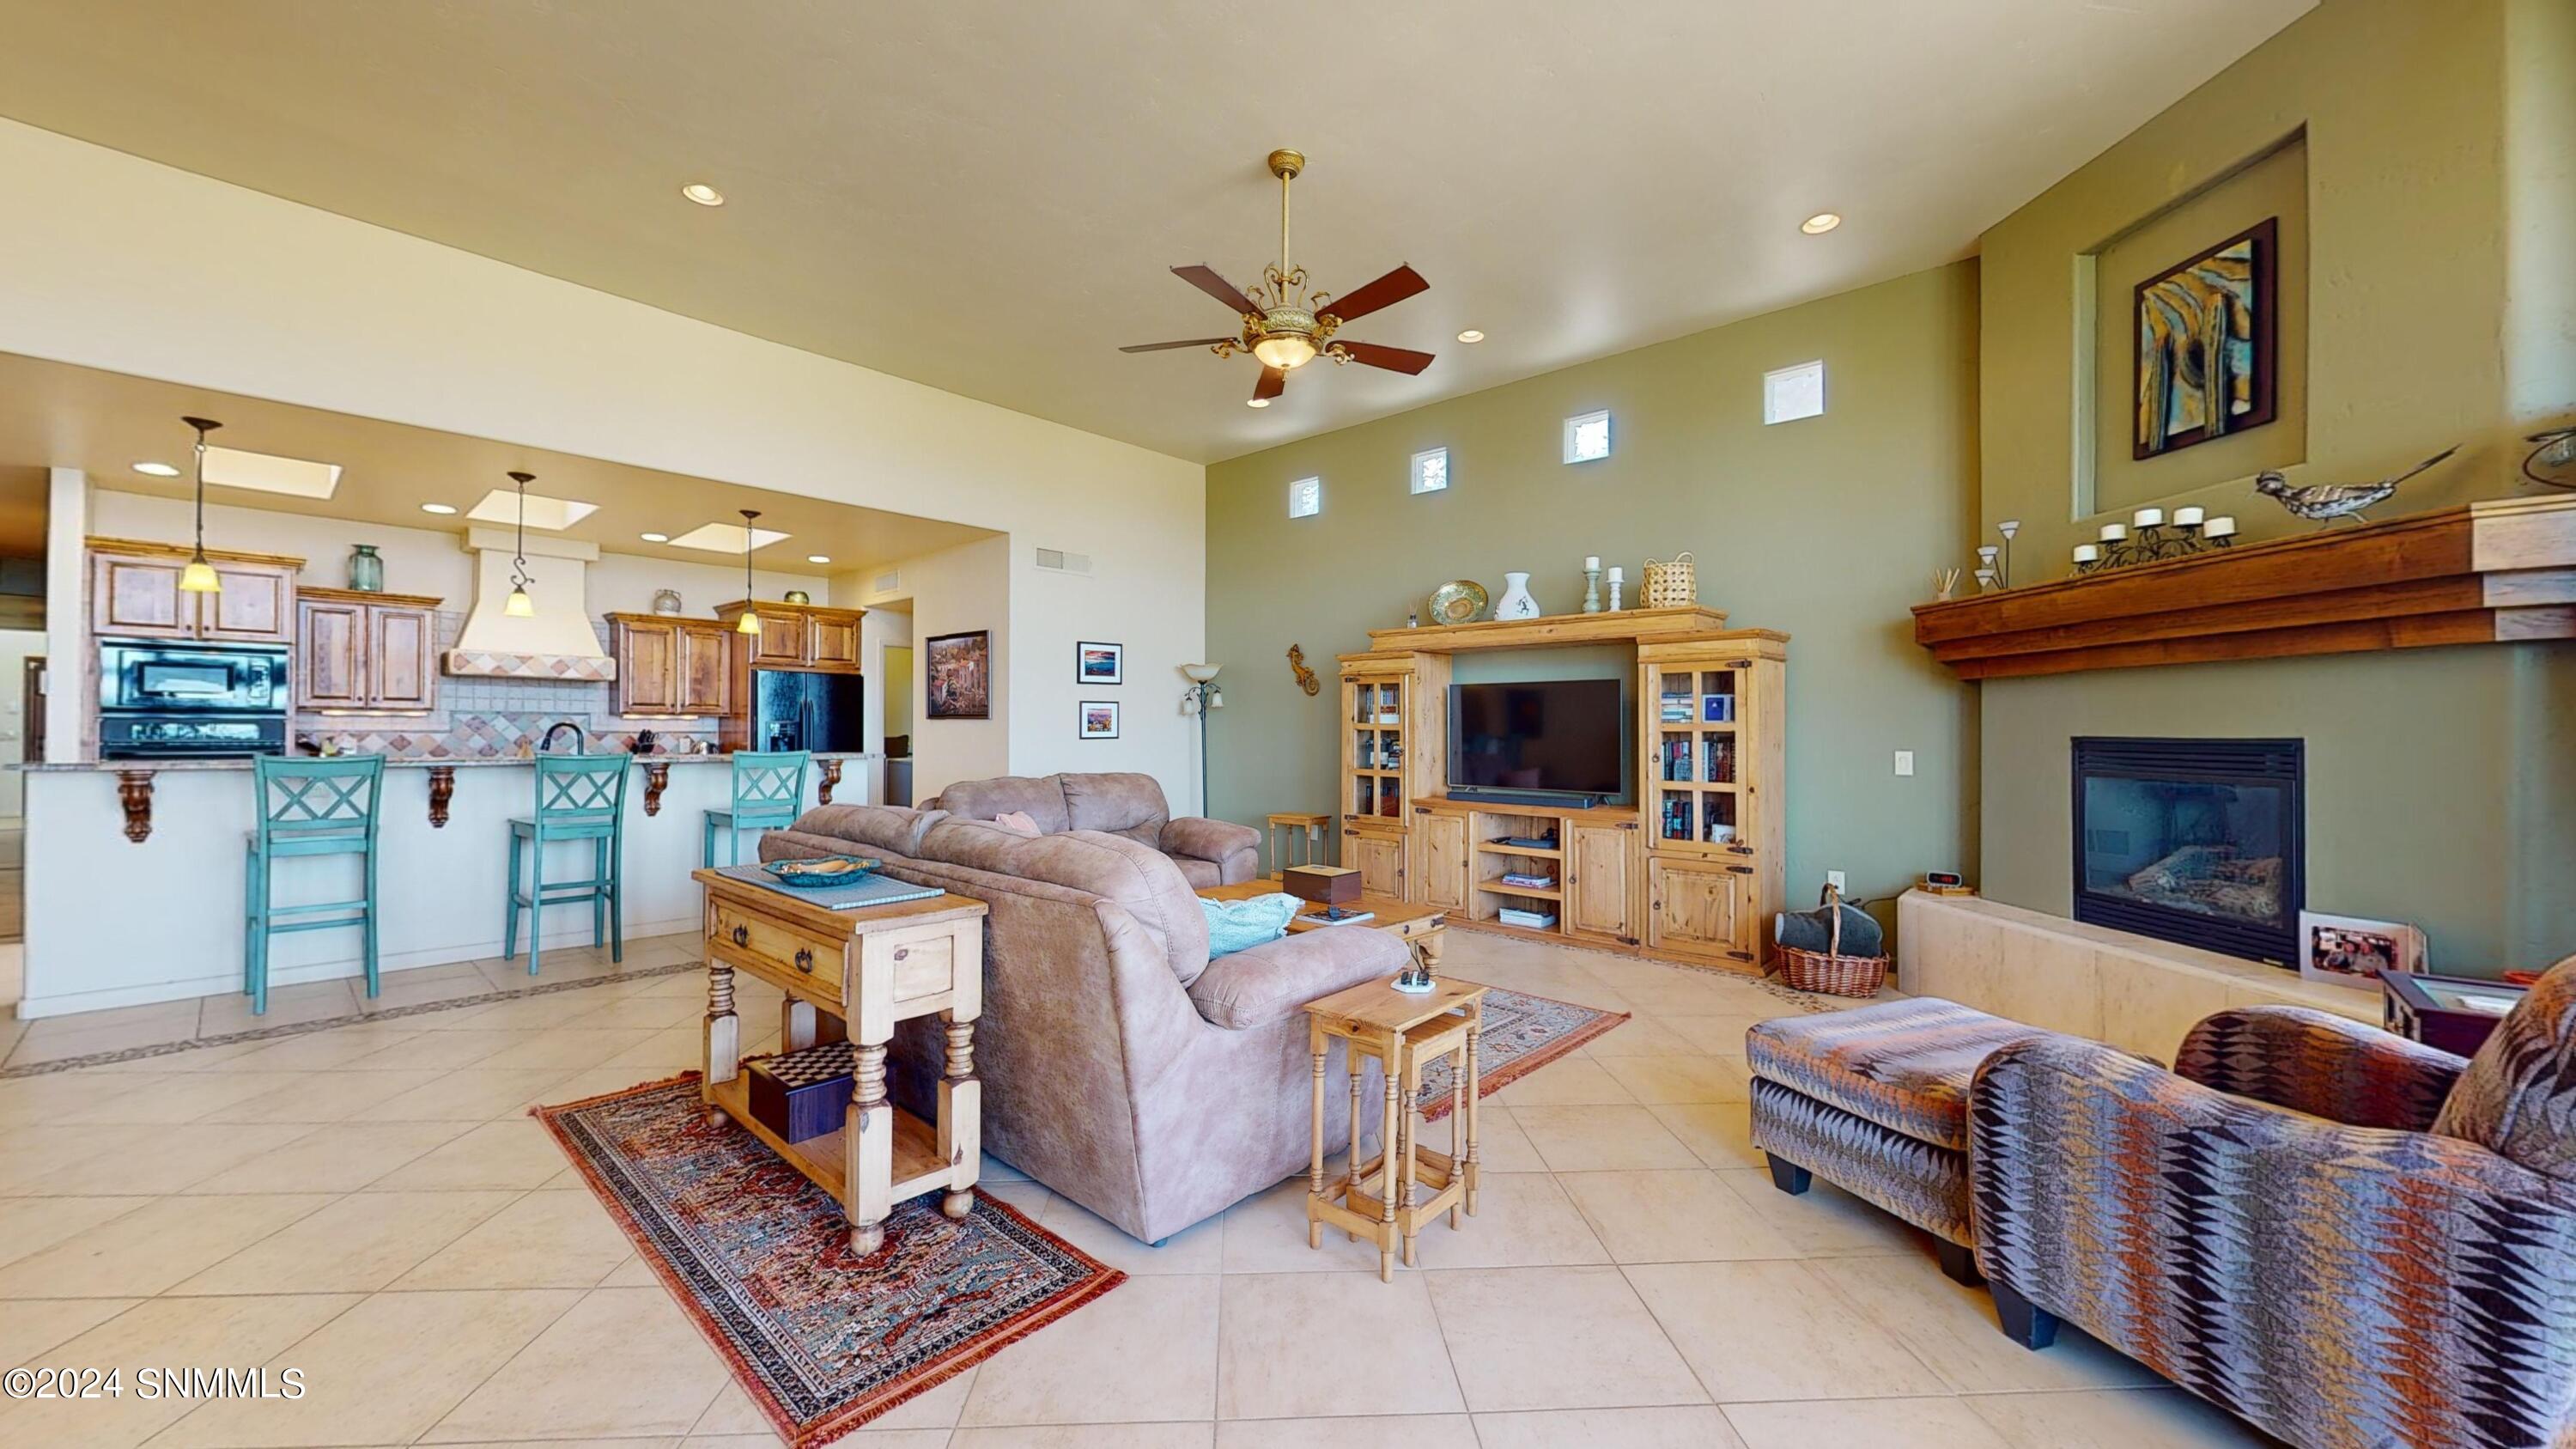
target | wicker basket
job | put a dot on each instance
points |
(1830, 972)
(1672, 585)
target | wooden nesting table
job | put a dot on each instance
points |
(1404, 1031)
(850, 976)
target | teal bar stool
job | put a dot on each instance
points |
(768, 792)
(579, 797)
(309, 807)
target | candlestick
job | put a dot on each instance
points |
(2188, 517)
(2147, 517)
(2114, 532)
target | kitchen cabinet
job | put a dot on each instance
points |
(135, 594)
(671, 666)
(705, 668)
(368, 653)
(799, 636)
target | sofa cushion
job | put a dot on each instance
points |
(1119, 803)
(894, 828)
(1144, 882)
(1904, 1065)
(2518, 1097)
(1041, 797)
(1273, 981)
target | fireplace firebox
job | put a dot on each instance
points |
(2199, 842)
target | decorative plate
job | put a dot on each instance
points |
(829, 870)
(1459, 601)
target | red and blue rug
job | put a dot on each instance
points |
(1522, 1034)
(822, 1339)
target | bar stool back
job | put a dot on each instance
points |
(578, 797)
(768, 792)
(309, 807)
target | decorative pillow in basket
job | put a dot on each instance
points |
(1828, 971)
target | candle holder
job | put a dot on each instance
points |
(1592, 591)
(2154, 540)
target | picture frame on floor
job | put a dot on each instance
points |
(2353, 952)
(1099, 720)
(1098, 663)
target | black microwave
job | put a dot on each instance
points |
(138, 675)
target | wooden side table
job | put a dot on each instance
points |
(1404, 1032)
(850, 976)
(1312, 852)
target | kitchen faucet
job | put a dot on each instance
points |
(546, 745)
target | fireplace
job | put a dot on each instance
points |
(2199, 842)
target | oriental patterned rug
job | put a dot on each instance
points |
(822, 1339)
(1522, 1034)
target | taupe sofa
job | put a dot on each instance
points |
(1120, 1067)
(1209, 852)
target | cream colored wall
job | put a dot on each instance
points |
(957, 592)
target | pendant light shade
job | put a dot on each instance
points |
(519, 605)
(749, 623)
(199, 577)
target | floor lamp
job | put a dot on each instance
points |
(1198, 699)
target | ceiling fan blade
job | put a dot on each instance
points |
(1393, 359)
(1386, 291)
(1274, 381)
(1168, 346)
(1206, 280)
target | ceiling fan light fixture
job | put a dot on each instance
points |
(1284, 350)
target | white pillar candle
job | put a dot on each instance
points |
(1616, 575)
(2114, 532)
(2223, 526)
(2147, 517)
(2087, 553)
(2188, 517)
(1591, 562)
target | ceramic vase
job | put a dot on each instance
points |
(366, 569)
(1516, 602)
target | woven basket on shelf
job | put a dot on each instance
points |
(1830, 972)
(1672, 585)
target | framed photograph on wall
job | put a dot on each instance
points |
(2351, 951)
(2208, 344)
(1099, 720)
(960, 675)
(1095, 663)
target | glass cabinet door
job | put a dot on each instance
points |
(1696, 770)
(1373, 746)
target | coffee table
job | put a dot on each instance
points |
(1424, 926)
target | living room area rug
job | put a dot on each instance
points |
(759, 1257)
(1522, 1034)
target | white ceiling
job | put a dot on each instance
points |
(986, 196)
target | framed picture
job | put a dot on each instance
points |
(2350, 951)
(1099, 663)
(1099, 720)
(2209, 344)
(1717, 709)
(960, 673)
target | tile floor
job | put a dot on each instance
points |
(370, 1204)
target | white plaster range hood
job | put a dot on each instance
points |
(558, 641)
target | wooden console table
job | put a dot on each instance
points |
(851, 975)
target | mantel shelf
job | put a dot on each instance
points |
(2484, 573)
(1624, 626)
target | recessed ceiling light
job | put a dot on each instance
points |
(702, 194)
(156, 470)
(441, 508)
(655, 537)
(1256, 402)
(1471, 335)
(1820, 223)
(818, 558)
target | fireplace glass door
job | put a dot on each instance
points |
(2192, 841)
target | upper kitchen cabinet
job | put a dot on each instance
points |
(671, 666)
(135, 594)
(800, 636)
(376, 653)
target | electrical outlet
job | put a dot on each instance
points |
(1834, 878)
(1905, 762)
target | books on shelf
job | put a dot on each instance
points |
(1534, 920)
(1677, 709)
(1530, 879)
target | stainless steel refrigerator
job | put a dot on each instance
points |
(796, 710)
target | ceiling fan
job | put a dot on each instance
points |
(1286, 326)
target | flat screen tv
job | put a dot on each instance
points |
(1558, 735)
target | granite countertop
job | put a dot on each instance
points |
(477, 762)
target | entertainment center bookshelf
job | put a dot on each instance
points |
(1691, 872)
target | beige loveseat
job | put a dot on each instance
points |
(1209, 852)
(1121, 1067)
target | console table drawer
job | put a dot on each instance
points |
(810, 956)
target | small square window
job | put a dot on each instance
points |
(1587, 437)
(1792, 393)
(1305, 498)
(1431, 471)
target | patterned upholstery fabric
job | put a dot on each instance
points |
(1923, 1184)
(2518, 1096)
(2334, 1285)
(2321, 1064)
(1901, 1064)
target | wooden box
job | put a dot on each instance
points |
(1325, 885)
(2455, 1014)
(802, 1094)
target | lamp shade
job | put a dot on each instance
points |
(1201, 673)
(199, 577)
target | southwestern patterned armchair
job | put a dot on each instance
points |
(2339, 1235)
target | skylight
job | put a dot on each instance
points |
(725, 538)
(268, 473)
(501, 506)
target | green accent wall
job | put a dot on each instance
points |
(1827, 528)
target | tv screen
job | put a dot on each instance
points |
(1550, 734)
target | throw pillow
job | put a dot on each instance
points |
(2516, 1098)
(1239, 925)
(1018, 820)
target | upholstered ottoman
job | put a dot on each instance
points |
(1876, 1100)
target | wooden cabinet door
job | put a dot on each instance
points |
(1379, 858)
(1599, 881)
(139, 597)
(257, 605)
(402, 657)
(705, 671)
(1699, 908)
(648, 666)
(1441, 859)
(781, 640)
(832, 642)
(331, 657)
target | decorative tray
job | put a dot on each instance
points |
(829, 870)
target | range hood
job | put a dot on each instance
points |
(556, 642)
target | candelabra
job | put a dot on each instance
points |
(2154, 540)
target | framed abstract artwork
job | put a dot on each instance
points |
(960, 672)
(2209, 344)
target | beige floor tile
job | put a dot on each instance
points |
(1031, 1198)
(323, 1051)
(1566, 1082)
(145, 1251)
(1776, 1330)
(568, 1048)
(1501, 1145)
(1719, 1134)
(26, 1101)
(1718, 1035)
(1952, 1328)
(464, 1095)
(1556, 1338)
(1083, 1436)
(1659, 1080)
(324, 1096)
(30, 1327)
(1298, 1345)
(287, 1006)
(1825, 1221)
(437, 1048)
(34, 1153)
(1641, 1036)
(380, 1373)
(163, 1334)
(652, 1013)
(1410, 1431)
(1601, 1139)
(32, 1224)
(1862, 1424)
(165, 1159)
(1143, 1352)
(174, 1019)
(515, 1152)
(1198, 1249)
(623, 1361)
(185, 1097)
(335, 1158)
(599, 1082)
(1523, 1220)
(1672, 1217)
(634, 1272)
(2113, 1419)
(1266, 1233)
(1699, 1426)
(356, 1245)
(932, 1412)
(543, 1240)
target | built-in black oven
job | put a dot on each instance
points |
(158, 699)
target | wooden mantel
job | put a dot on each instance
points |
(2483, 573)
(1619, 626)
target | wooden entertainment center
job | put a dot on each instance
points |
(1691, 872)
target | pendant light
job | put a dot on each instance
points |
(749, 623)
(199, 577)
(519, 605)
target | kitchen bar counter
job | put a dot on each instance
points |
(467, 762)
